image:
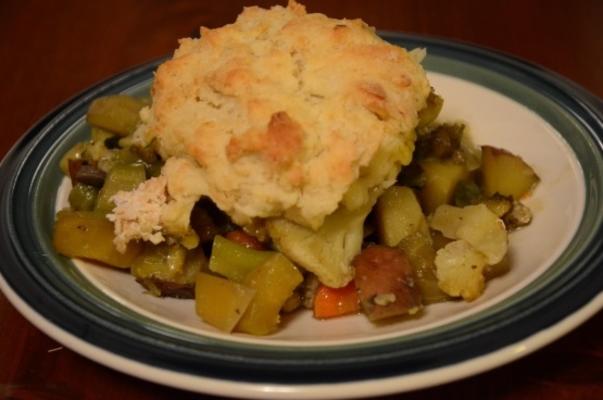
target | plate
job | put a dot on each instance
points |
(555, 284)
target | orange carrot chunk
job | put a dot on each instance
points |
(330, 302)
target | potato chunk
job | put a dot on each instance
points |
(441, 178)
(506, 174)
(386, 283)
(86, 234)
(220, 302)
(274, 282)
(459, 268)
(399, 214)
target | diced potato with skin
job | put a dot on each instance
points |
(399, 214)
(274, 282)
(235, 261)
(220, 302)
(441, 178)
(506, 174)
(477, 225)
(85, 234)
(460, 270)
(386, 283)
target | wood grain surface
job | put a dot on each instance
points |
(51, 50)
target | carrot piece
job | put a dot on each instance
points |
(330, 302)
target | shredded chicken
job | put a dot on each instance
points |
(137, 214)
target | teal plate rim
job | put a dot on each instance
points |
(36, 278)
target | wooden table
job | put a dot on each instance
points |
(50, 51)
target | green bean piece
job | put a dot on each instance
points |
(117, 113)
(234, 261)
(83, 197)
(122, 177)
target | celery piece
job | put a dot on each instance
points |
(83, 197)
(234, 261)
(121, 177)
(162, 261)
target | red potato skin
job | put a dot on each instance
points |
(244, 239)
(381, 270)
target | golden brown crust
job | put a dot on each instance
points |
(283, 110)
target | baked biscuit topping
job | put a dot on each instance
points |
(284, 114)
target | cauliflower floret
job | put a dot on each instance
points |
(327, 252)
(477, 225)
(481, 240)
(459, 268)
(137, 213)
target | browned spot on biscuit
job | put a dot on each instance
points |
(279, 144)
(283, 139)
(374, 98)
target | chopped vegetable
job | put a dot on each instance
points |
(168, 269)
(82, 172)
(441, 179)
(335, 302)
(117, 113)
(442, 142)
(83, 197)
(467, 193)
(477, 225)
(506, 174)
(120, 178)
(245, 239)
(431, 110)
(327, 252)
(419, 248)
(386, 283)
(274, 282)
(235, 261)
(518, 216)
(460, 270)
(399, 214)
(498, 204)
(220, 302)
(74, 153)
(90, 235)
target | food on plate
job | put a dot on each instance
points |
(288, 161)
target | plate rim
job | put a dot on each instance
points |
(353, 389)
